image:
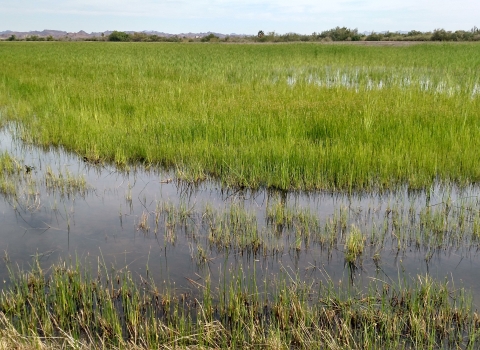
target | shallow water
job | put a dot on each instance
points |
(106, 222)
(379, 78)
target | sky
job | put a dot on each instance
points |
(238, 16)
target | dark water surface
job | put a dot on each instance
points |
(105, 222)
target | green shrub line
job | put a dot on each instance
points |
(342, 34)
(292, 117)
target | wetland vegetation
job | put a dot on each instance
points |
(239, 196)
(112, 310)
(292, 117)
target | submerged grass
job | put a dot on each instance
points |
(65, 183)
(390, 227)
(307, 117)
(354, 245)
(9, 167)
(69, 307)
(24, 186)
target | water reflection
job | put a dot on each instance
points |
(437, 82)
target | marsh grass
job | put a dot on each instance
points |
(72, 305)
(30, 188)
(66, 183)
(284, 226)
(354, 244)
(68, 306)
(9, 168)
(307, 117)
(18, 185)
(143, 224)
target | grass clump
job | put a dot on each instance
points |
(354, 244)
(235, 230)
(66, 184)
(10, 172)
(8, 165)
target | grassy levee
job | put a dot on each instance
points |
(300, 116)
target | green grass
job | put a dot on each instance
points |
(65, 182)
(10, 171)
(299, 116)
(354, 244)
(68, 306)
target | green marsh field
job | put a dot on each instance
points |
(292, 117)
(260, 196)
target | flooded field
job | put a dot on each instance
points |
(315, 196)
(186, 237)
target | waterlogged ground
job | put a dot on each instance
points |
(379, 78)
(67, 207)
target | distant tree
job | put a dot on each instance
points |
(118, 36)
(210, 37)
(341, 34)
(443, 35)
(374, 37)
(293, 37)
(414, 33)
(34, 38)
(261, 34)
(388, 34)
(12, 37)
(176, 39)
(154, 37)
(139, 37)
(270, 36)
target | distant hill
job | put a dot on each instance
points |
(57, 34)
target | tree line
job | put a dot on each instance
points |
(347, 34)
(334, 34)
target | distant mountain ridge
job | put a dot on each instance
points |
(57, 34)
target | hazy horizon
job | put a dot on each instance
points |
(233, 16)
